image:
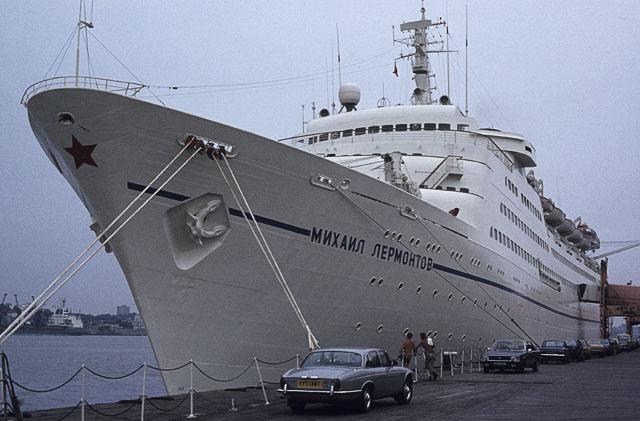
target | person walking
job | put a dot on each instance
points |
(407, 349)
(429, 355)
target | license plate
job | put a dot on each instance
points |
(499, 363)
(309, 384)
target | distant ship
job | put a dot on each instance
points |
(381, 221)
(63, 318)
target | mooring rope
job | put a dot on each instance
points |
(266, 250)
(56, 284)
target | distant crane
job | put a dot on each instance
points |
(633, 244)
(4, 298)
(16, 297)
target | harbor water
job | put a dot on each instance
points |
(45, 361)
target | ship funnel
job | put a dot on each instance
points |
(349, 95)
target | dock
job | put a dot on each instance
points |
(600, 388)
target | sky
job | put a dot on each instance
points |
(565, 74)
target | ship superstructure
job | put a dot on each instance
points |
(381, 221)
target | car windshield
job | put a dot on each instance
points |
(552, 344)
(508, 346)
(604, 341)
(571, 343)
(332, 358)
(594, 342)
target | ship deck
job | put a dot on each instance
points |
(601, 388)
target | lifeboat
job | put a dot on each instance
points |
(555, 218)
(547, 204)
(566, 227)
(590, 239)
(575, 237)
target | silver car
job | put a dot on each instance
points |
(357, 375)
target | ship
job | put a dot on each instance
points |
(367, 225)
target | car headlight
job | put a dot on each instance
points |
(515, 359)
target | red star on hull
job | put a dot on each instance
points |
(81, 153)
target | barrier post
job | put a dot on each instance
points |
(144, 386)
(82, 395)
(264, 393)
(191, 415)
(441, 361)
(415, 368)
(451, 363)
(462, 363)
(297, 360)
(4, 387)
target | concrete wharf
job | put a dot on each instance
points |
(600, 388)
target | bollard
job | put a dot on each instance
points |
(264, 393)
(462, 363)
(233, 406)
(441, 362)
(191, 414)
(415, 369)
(82, 394)
(144, 386)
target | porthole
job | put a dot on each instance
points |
(475, 301)
(495, 306)
(450, 296)
(419, 290)
(379, 329)
(435, 293)
(66, 119)
(393, 234)
(429, 333)
(453, 253)
(479, 339)
(463, 299)
(434, 334)
(485, 303)
(380, 281)
(387, 233)
(463, 338)
(358, 326)
(417, 242)
(405, 331)
(411, 240)
(435, 247)
(372, 281)
(400, 286)
(438, 249)
(399, 236)
(428, 247)
(449, 336)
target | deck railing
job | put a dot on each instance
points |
(111, 85)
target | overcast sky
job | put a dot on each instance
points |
(565, 74)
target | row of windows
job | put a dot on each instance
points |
(566, 261)
(530, 206)
(386, 128)
(511, 186)
(505, 240)
(550, 277)
(524, 227)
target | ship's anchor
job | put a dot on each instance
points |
(196, 223)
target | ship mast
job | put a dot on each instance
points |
(420, 65)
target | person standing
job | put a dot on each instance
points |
(429, 354)
(407, 349)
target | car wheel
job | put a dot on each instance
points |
(366, 397)
(407, 392)
(535, 366)
(295, 405)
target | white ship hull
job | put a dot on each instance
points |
(228, 308)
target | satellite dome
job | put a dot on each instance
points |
(349, 95)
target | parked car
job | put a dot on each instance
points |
(514, 354)
(357, 375)
(634, 342)
(598, 347)
(625, 342)
(576, 350)
(586, 348)
(614, 346)
(555, 350)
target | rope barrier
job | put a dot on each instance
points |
(278, 362)
(47, 390)
(69, 412)
(116, 415)
(103, 376)
(150, 402)
(168, 369)
(225, 380)
(201, 396)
